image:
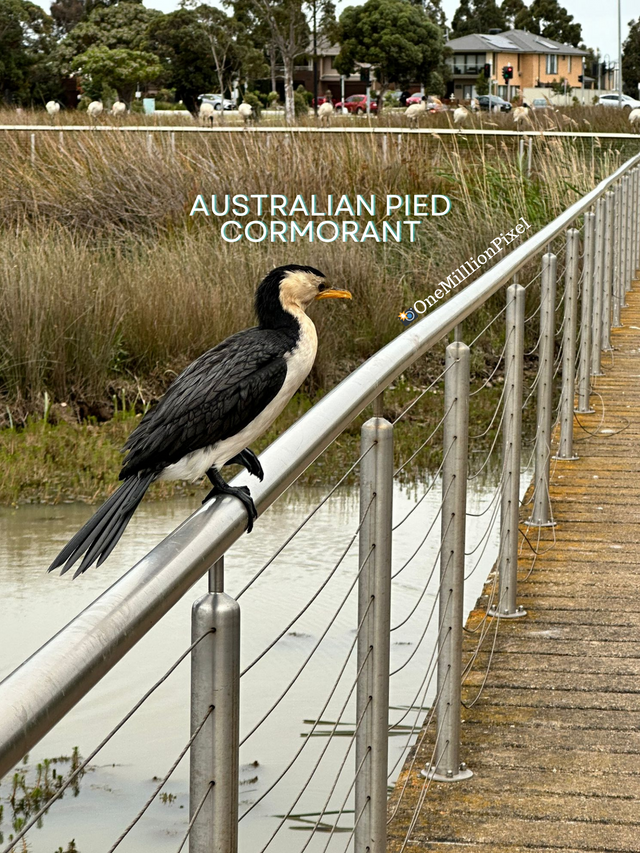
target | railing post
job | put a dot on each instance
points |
(616, 257)
(626, 185)
(584, 383)
(565, 447)
(374, 615)
(447, 766)
(540, 517)
(598, 277)
(607, 278)
(215, 682)
(512, 438)
(633, 225)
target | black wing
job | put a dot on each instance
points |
(214, 398)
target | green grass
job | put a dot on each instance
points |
(71, 461)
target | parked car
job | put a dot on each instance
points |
(322, 100)
(357, 104)
(490, 102)
(434, 105)
(540, 104)
(613, 100)
(217, 102)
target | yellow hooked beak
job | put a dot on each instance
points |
(334, 294)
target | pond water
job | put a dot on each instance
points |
(35, 605)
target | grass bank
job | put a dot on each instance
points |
(59, 460)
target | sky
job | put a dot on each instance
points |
(599, 19)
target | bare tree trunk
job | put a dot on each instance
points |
(289, 104)
(272, 63)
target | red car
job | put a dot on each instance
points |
(358, 104)
(322, 99)
(434, 105)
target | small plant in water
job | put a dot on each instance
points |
(167, 799)
(32, 786)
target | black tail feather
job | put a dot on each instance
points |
(101, 533)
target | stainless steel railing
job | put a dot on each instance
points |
(47, 685)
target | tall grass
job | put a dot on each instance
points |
(107, 283)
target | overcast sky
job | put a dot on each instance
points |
(598, 18)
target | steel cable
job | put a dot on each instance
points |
(102, 743)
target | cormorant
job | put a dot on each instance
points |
(215, 408)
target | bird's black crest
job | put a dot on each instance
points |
(267, 301)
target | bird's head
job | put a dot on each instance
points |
(292, 289)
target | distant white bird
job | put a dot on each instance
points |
(206, 113)
(414, 111)
(94, 109)
(246, 111)
(474, 106)
(119, 108)
(325, 111)
(460, 115)
(521, 114)
(53, 108)
(634, 118)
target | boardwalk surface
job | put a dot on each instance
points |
(554, 739)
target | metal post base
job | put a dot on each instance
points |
(431, 772)
(531, 523)
(584, 411)
(518, 612)
(599, 373)
(565, 458)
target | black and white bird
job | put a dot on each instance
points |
(214, 410)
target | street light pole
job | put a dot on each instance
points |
(619, 55)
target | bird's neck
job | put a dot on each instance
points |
(290, 320)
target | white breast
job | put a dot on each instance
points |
(299, 363)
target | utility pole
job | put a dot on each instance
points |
(315, 60)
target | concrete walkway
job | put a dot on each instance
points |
(554, 739)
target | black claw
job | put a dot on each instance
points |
(241, 492)
(248, 459)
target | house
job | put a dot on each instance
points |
(328, 77)
(536, 61)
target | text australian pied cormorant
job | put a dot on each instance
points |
(212, 412)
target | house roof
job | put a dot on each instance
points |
(512, 41)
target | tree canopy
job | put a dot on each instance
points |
(631, 59)
(477, 16)
(548, 18)
(397, 38)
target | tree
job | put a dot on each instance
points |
(119, 68)
(631, 59)
(481, 84)
(397, 38)
(25, 42)
(433, 10)
(289, 30)
(67, 14)
(477, 16)
(510, 9)
(181, 44)
(548, 18)
(121, 25)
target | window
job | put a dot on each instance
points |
(568, 65)
(552, 63)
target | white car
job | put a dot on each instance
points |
(612, 100)
(217, 102)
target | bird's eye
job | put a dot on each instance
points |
(322, 287)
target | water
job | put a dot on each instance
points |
(36, 605)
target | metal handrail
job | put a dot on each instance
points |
(389, 129)
(47, 685)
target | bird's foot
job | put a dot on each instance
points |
(241, 492)
(248, 459)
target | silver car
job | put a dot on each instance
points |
(613, 100)
(217, 102)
